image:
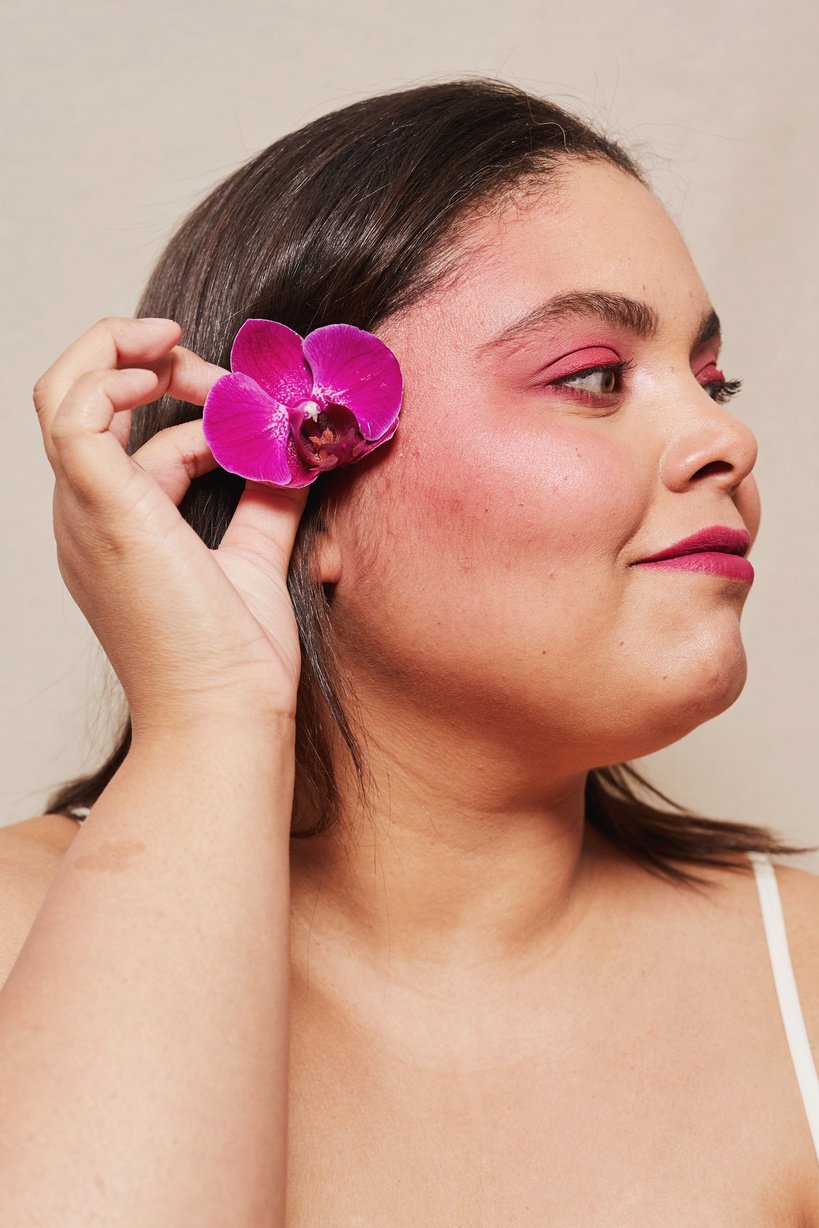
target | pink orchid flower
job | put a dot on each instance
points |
(292, 409)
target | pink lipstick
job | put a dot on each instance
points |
(718, 550)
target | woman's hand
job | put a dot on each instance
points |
(194, 634)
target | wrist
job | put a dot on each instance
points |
(225, 725)
(230, 765)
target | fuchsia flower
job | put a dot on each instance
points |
(293, 408)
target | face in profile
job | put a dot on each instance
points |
(485, 574)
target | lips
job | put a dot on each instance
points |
(718, 538)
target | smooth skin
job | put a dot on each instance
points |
(144, 1025)
(485, 972)
(494, 1018)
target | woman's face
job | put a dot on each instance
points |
(487, 577)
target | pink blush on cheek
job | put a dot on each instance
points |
(562, 491)
(585, 499)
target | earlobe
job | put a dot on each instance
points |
(327, 559)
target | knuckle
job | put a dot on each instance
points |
(75, 473)
(98, 377)
(40, 392)
(61, 430)
(91, 383)
(171, 444)
(187, 457)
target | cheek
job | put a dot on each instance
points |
(493, 560)
(519, 500)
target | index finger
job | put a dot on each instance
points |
(121, 341)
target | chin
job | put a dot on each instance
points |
(719, 689)
(700, 697)
(675, 703)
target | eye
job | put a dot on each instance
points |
(716, 385)
(602, 381)
(723, 389)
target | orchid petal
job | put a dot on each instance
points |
(271, 354)
(355, 369)
(249, 433)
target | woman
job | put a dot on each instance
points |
(511, 990)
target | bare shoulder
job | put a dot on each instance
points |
(736, 894)
(797, 886)
(799, 893)
(30, 855)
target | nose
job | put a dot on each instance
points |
(709, 446)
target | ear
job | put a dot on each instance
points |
(326, 557)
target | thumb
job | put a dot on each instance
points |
(263, 527)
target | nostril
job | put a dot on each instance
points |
(714, 467)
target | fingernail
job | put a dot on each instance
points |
(155, 320)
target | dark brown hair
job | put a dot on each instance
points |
(351, 219)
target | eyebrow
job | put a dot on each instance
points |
(627, 313)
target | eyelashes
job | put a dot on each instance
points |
(723, 389)
(614, 369)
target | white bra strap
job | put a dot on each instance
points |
(786, 990)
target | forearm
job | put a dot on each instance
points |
(144, 1027)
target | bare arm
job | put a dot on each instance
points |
(143, 1029)
(144, 1025)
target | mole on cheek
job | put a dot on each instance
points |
(114, 856)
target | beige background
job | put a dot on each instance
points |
(120, 116)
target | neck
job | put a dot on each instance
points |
(463, 861)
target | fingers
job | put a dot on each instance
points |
(83, 449)
(117, 342)
(264, 524)
(181, 374)
(263, 527)
(82, 444)
(175, 456)
(108, 344)
(83, 402)
(78, 444)
(184, 375)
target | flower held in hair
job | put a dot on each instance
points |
(293, 408)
